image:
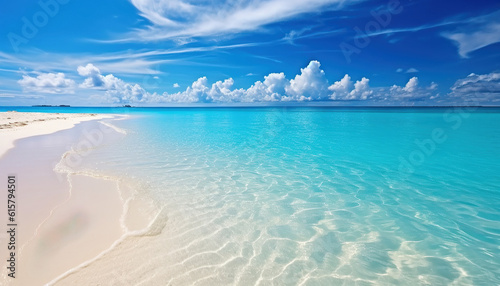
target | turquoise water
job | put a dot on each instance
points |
(312, 196)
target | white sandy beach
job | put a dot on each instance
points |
(16, 125)
(65, 218)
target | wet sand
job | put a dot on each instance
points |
(65, 216)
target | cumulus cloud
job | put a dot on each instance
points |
(184, 19)
(412, 85)
(47, 83)
(478, 88)
(222, 91)
(341, 87)
(361, 89)
(405, 91)
(345, 89)
(176, 85)
(93, 74)
(411, 91)
(197, 92)
(272, 89)
(310, 84)
(116, 89)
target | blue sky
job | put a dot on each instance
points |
(321, 52)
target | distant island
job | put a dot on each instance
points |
(45, 105)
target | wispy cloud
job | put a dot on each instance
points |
(410, 70)
(10, 70)
(131, 62)
(413, 29)
(17, 95)
(294, 35)
(468, 42)
(178, 19)
(476, 33)
(470, 33)
(267, 58)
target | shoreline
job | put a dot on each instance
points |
(67, 217)
(17, 125)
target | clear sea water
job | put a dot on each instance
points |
(308, 196)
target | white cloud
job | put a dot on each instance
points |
(47, 83)
(115, 88)
(345, 89)
(471, 34)
(406, 91)
(93, 74)
(414, 29)
(411, 91)
(410, 70)
(183, 19)
(311, 84)
(412, 84)
(478, 88)
(221, 92)
(469, 42)
(127, 65)
(127, 62)
(341, 88)
(176, 85)
(272, 89)
(276, 84)
(361, 89)
(479, 32)
(96, 80)
(197, 92)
